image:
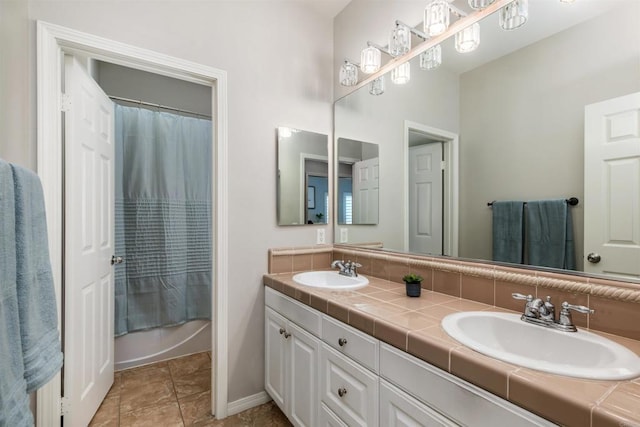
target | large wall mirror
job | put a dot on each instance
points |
(303, 177)
(505, 122)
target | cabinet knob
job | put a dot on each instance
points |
(342, 391)
(284, 332)
(342, 342)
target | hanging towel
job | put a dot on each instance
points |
(14, 400)
(508, 231)
(550, 234)
(36, 296)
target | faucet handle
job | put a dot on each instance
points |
(579, 308)
(516, 295)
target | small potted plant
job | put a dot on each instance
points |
(414, 284)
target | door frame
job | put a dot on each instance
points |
(450, 178)
(52, 42)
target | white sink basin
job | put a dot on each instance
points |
(579, 354)
(330, 280)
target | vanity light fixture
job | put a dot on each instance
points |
(401, 74)
(371, 58)
(468, 39)
(480, 4)
(514, 14)
(376, 87)
(431, 58)
(399, 40)
(436, 17)
(348, 74)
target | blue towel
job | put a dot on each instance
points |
(550, 234)
(41, 352)
(508, 231)
(14, 401)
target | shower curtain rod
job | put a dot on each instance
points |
(164, 107)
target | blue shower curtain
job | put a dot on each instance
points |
(163, 219)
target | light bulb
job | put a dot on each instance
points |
(370, 60)
(399, 41)
(436, 17)
(468, 39)
(401, 74)
(348, 74)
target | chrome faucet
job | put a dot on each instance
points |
(348, 268)
(543, 313)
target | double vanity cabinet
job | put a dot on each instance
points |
(322, 372)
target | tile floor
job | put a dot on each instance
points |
(174, 393)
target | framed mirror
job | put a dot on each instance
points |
(302, 178)
(358, 182)
(507, 122)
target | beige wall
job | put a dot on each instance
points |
(278, 55)
(522, 119)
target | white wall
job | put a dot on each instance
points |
(278, 55)
(522, 119)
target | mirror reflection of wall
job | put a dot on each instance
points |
(358, 182)
(519, 114)
(302, 180)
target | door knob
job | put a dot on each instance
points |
(593, 258)
(116, 260)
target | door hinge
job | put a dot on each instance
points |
(65, 103)
(65, 406)
(443, 165)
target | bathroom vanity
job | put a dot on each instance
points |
(321, 371)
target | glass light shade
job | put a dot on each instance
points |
(431, 58)
(468, 39)
(436, 17)
(401, 74)
(399, 41)
(479, 4)
(514, 15)
(370, 60)
(348, 74)
(376, 87)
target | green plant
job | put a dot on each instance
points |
(412, 278)
(319, 216)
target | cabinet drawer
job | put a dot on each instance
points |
(455, 398)
(398, 409)
(349, 341)
(306, 317)
(328, 419)
(348, 389)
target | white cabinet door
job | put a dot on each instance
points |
(303, 362)
(276, 366)
(398, 409)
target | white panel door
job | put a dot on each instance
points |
(425, 199)
(612, 187)
(366, 185)
(89, 235)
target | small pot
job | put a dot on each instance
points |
(413, 289)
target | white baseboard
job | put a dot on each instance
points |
(248, 402)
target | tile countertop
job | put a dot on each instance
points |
(383, 310)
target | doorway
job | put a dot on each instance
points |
(55, 41)
(431, 193)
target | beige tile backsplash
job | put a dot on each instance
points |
(616, 304)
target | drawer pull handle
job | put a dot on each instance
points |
(342, 342)
(284, 332)
(342, 391)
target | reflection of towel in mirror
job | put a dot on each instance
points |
(550, 234)
(508, 231)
